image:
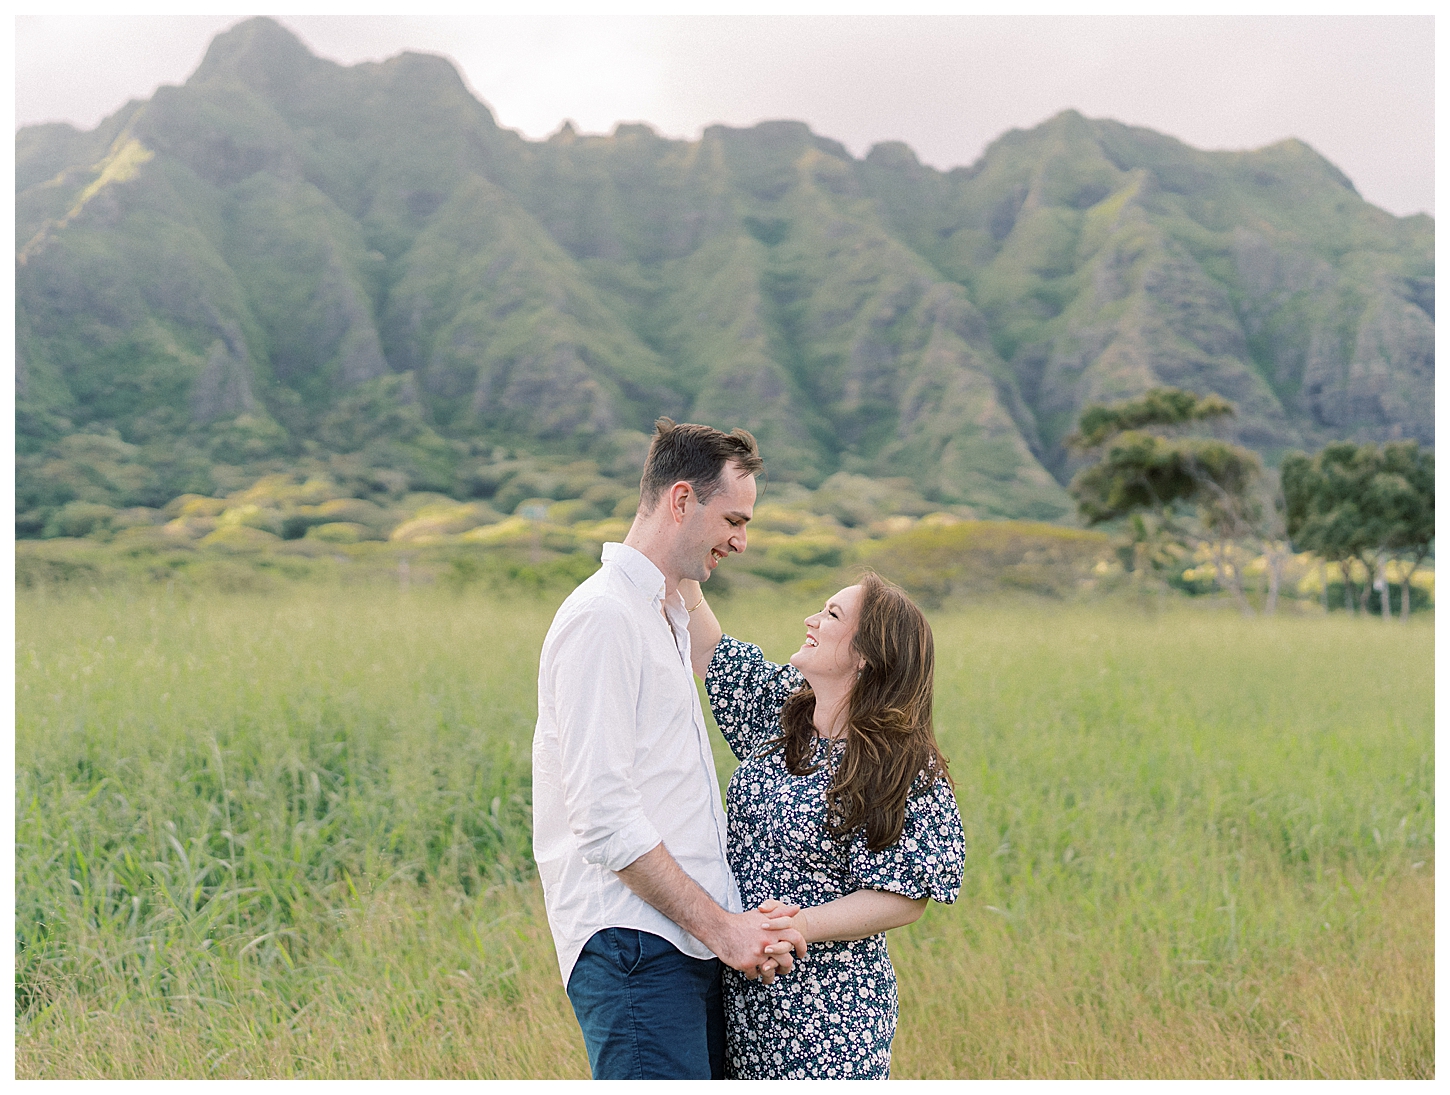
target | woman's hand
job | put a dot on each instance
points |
(780, 918)
(784, 916)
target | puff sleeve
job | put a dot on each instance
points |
(930, 855)
(746, 693)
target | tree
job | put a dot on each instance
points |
(1160, 407)
(1405, 491)
(1139, 473)
(1362, 503)
(1323, 497)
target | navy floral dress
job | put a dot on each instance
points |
(834, 1015)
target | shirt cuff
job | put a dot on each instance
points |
(625, 846)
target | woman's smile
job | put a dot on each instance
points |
(826, 651)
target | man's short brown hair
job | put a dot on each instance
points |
(696, 454)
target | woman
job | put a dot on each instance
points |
(842, 806)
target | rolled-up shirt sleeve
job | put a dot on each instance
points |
(597, 666)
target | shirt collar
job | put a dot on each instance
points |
(637, 567)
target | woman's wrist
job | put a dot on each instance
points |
(692, 592)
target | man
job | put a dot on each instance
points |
(629, 829)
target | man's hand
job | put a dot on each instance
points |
(746, 942)
(780, 916)
(743, 941)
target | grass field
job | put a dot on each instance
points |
(286, 834)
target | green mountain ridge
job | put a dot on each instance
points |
(287, 260)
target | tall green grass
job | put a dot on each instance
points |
(286, 834)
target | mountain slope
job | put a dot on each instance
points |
(289, 259)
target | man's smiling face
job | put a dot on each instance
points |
(712, 531)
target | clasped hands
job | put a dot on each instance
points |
(786, 923)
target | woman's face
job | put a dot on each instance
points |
(826, 655)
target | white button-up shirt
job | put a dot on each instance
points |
(622, 758)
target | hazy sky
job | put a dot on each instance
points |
(1359, 89)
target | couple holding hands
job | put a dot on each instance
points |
(702, 942)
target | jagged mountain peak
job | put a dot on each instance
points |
(396, 282)
(260, 53)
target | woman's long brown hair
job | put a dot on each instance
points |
(889, 738)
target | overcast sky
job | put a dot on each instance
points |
(1359, 89)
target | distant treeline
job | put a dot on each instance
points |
(1173, 491)
(281, 530)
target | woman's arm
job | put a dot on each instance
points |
(705, 630)
(855, 916)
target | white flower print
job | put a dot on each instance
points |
(835, 1013)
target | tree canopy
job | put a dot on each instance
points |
(1157, 407)
(1138, 470)
(1147, 466)
(1362, 502)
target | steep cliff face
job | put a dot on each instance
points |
(285, 256)
(1108, 259)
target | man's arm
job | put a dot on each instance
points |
(743, 941)
(705, 630)
(595, 670)
(594, 675)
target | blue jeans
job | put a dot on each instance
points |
(647, 1011)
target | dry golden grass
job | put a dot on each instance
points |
(371, 1012)
(999, 1010)
(985, 1011)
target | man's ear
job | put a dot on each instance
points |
(680, 495)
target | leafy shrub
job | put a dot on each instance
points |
(33, 570)
(338, 532)
(574, 510)
(807, 551)
(933, 563)
(239, 538)
(79, 519)
(251, 515)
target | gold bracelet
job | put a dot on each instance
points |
(700, 601)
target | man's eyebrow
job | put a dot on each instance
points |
(737, 515)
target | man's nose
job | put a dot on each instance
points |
(737, 541)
